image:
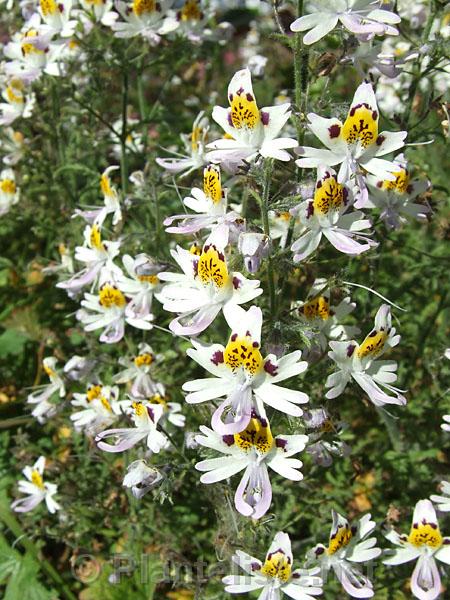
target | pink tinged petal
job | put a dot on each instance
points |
(344, 242)
(306, 244)
(174, 165)
(282, 399)
(375, 393)
(126, 438)
(246, 562)
(248, 501)
(353, 582)
(365, 95)
(354, 24)
(306, 22)
(197, 323)
(241, 402)
(114, 332)
(425, 580)
(326, 25)
(384, 16)
(23, 505)
(241, 584)
(206, 389)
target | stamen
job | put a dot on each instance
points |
(144, 359)
(36, 478)
(110, 296)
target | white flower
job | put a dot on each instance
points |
(145, 417)
(348, 545)
(66, 263)
(9, 192)
(110, 198)
(56, 16)
(364, 18)
(446, 424)
(147, 18)
(141, 478)
(275, 576)
(192, 20)
(78, 367)
(205, 287)
(194, 145)
(252, 451)
(254, 247)
(44, 408)
(97, 255)
(210, 204)
(18, 102)
(36, 489)
(249, 131)
(31, 52)
(241, 374)
(360, 362)
(395, 198)
(327, 215)
(13, 144)
(137, 371)
(424, 543)
(322, 450)
(101, 10)
(139, 287)
(442, 502)
(100, 408)
(325, 318)
(355, 144)
(107, 310)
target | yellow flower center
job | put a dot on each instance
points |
(361, 125)
(93, 392)
(95, 238)
(328, 195)
(243, 352)
(143, 359)
(49, 7)
(105, 185)
(96, 2)
(8, 186)
(257, 435)
(340, 539)
(211, 183)
(105, 403)
(139, 409)
(14, 93)
(110, 296)
(36, 478)
(191, 11)
(48, 370)
(158, 399)
(141, 7)
(197, 134)
(277, 565)
(317, 307)
(244, 111)
(153, 279)
(401, 183)
(28, 48)
(18, 136)
(212, 267)
(425, 534)
(373, 344)
(195, 249)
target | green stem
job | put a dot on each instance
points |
(392, 429)
(265, 219)
(21, 538)
(123, 137)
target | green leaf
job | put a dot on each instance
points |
(12, 342)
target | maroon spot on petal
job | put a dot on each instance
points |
(354, 529)
(334, 131)
(255, 566)
(270, 368)
(295, 575)
(319, 551)
(228, 439)
(319, 184)
(374, 115)
(221, 256)
(234, 337)
(350, 349)
(310, 210)
(61, 8)
(380, 140)
(230, 97)
(236, 283)
(255, 345)
(410, 188)
(249, 97)
(433, 525)
(230, 120)
(240, 90)
(345, 194)
(264, 117)
(280, 443)
(217, 357)
(379, 184)
(373, 333)
(248, 334)
(151, 414)
(446, 541)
